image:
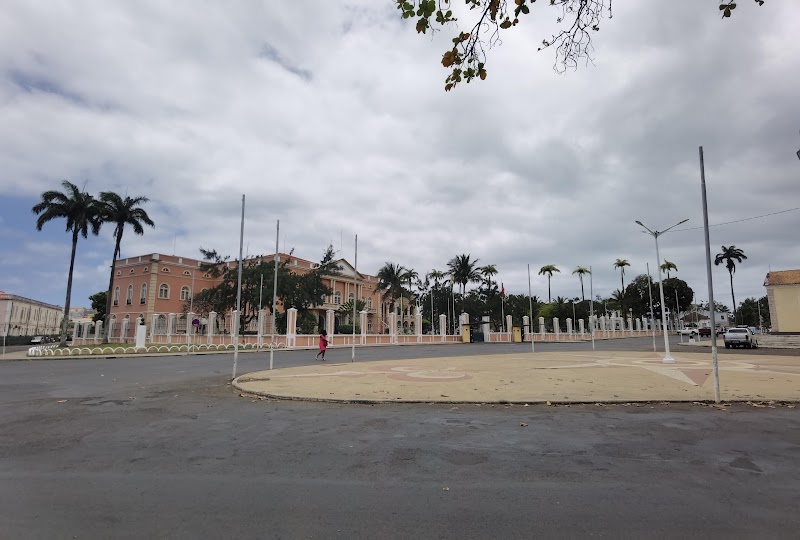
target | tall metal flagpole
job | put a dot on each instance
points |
(652, 315)
(274, 294)
(530, 307)
(710, 282)
(238, 297)
(502, 306)
(189, 333)
(677, 312)
(355, 301)
(591, 305)
(260, 293)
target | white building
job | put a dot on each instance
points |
(20, 316)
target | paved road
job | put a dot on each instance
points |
(161, 447)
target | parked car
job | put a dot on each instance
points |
(706, 331)
(740, 337)
(38, 340)
(688, 331)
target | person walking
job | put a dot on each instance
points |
(323, 344)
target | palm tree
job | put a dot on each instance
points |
(488, 272)
(621, 264)
(464, 271)
(581, 271)
(548, 269)
(121, 212)
(728, 255)
(436, 275)
(390, 281)
(82, 212)
(409, 275)
(667, 266)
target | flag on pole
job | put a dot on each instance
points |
(502, 290)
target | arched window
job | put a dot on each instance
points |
(119, 272)
(337, 298)
(143, 294)
(163, 291)
(351, 297)
(116, 296)
(133, 270)
(185, 293)
(165, 270)
(187, 273)
(129, 296)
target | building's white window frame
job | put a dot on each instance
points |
(143, 293)
(337, 298)
(116, 295)
(163, 291)
(186, 293)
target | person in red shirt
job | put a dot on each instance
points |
(323, 344)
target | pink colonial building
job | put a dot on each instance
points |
(157, 289)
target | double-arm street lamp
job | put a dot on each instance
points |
(655, 234)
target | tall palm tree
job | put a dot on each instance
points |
(409, 275)
(728, 255)
(464, 271)
(82, 212)
(581, 270)
(436, 275)
(667, 266)
(620, 264)
(488, 271)
(548, 269)
(121, 212)
(390, 281)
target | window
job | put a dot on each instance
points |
(132, 271)
(116, 296)
(119, 273)
(129, 296)
(143, 294)
(185, 293)
(163, 291)
(337, 298)
(166, 270)
(369, 303)
(146, 269)
(187, 273)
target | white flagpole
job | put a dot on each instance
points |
(355, 302)
(530, 305)
(274, 294)
(591, 305)
(502, 307)
(238, 297)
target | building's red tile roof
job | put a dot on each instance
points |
(783, 277)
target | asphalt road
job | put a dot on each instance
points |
(163, 448)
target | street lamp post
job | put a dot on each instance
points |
(655, 234)
(574, 319)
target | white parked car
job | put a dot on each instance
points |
(38, 340)
(688, 332)
(740, 337)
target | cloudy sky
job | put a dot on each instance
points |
(331, 117)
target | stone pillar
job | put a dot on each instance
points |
(581, 327)
(569, 326)
(261, 326)
(443, 326)
(542, 327)
(112, 326)
(330, 324)
(510, 327)
(463, 319)
(393, 327)
(153, 319)
(98, 330)
(211, 328)
(630, 323)
(485, 327)
(526, 328)
(170, 326)
(124, 330)
(638, 325)
(556, 326)
(291, 327)
(418, 324)
(362, 322)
